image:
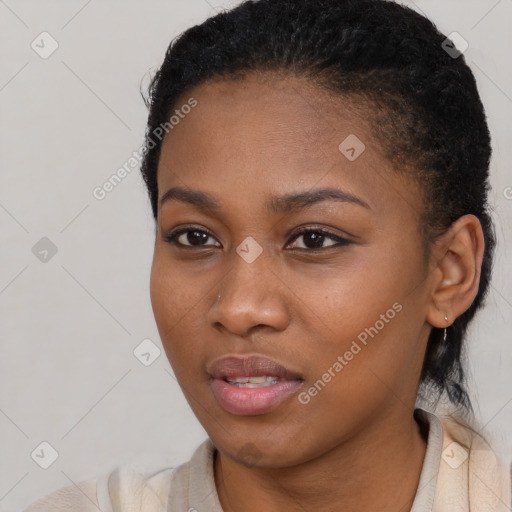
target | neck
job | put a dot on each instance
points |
(377, 469)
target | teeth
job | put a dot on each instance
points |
(240, 380)
(253, 382)
(258, 380)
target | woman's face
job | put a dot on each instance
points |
(330, 327)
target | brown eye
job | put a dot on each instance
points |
(189, 237)
(315, 239)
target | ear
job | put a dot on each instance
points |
(458, 257)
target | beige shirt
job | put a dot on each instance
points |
(460, 473)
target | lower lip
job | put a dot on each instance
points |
(252, 401)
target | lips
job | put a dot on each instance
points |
(251, 385)
(255, 366)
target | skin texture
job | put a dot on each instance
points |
(355, 445)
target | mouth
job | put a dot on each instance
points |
(251, 385)
(253, 382)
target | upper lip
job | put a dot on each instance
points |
(233, 367)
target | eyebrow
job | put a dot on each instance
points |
(276, 204)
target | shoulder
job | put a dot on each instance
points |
(470, 465)
(124, 488)
(80, 497)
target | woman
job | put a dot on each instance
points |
(318, 174)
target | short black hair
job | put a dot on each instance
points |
(423, 101)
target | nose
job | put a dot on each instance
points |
(251, 295)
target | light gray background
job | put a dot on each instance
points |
(69, 326)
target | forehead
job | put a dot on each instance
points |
(274, 111)
(247, 137)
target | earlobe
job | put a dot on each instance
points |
(456, 277)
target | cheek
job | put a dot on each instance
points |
(164, 292)
(349, 298)
(178, 299)
(174, 291)
(172, 297)
(372, 313)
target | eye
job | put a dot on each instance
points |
(194, 236)
(314, 239)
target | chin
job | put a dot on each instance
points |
(264, 452)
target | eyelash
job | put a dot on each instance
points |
(171, 238)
